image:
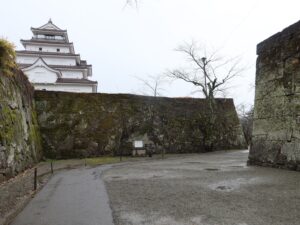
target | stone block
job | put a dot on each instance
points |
(276, 130)
(19, 135)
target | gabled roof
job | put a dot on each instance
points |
(41, 63)
(51, 29)
(49, 26)
(77, 67)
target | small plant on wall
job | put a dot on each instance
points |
(7, 57)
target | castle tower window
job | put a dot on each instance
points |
(51, 37)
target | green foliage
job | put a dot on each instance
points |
(7, 57)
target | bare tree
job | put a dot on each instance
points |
(131, 3)
(153, 85)
(246, 117)
(209, 72)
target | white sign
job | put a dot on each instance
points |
(138, 144)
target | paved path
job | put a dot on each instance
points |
(216, 188)
(75, 197)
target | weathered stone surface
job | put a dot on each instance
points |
(80, 125)
(276, 139)
(20, 145)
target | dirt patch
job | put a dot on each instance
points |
(16, 193)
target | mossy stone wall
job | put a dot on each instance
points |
(83, 125)
(20, 143)
(276, 128)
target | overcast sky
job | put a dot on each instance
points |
(122, 43)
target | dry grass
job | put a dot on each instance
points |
(88, 161)
(7, 57)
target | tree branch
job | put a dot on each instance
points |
(205, 72)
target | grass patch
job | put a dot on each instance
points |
(105, 160)
(90, 161)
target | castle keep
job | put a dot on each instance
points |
(276, 128)
(50, 62)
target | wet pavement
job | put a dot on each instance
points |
(74, 197)
(215, 188)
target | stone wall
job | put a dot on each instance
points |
(276, 130)
(20, 145)
(81, 125)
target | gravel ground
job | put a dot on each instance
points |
(203, 189)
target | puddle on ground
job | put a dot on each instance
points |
(194, 162)
(142, 174)
(245, 151)
(230, 185)
(223, 188)
(212, 169)
(156, 219)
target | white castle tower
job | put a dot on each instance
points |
(50, 62)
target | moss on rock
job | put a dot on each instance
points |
(20, 143)
(106, 124)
